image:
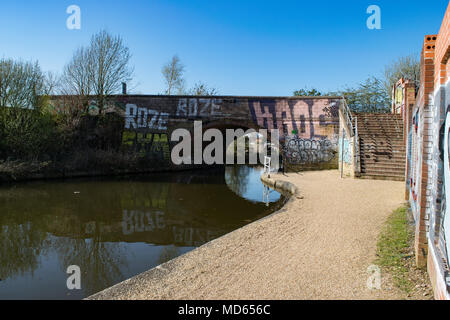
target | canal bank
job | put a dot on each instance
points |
(318, 246)
(118, 227)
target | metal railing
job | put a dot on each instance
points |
(356, 149)
(352, 124)
(348, 115)
(267, 164)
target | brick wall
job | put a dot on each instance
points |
(308, 126)
(421, 157)
(425, 169)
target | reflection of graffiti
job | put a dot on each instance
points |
(301, 151)
(138, 221)
(151, 145)
(194, 237)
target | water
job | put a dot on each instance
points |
(116, 228)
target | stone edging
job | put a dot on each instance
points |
(281, 186)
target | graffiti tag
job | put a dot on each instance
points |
(145, 118)
(199, 107)
(301, 151)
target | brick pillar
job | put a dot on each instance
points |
(427, 84)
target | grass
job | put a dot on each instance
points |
(393, 248)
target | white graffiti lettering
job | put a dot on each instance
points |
(199, 107)
(145, 118)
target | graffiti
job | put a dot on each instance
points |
(313, 121)
(446, 188)
(145, 118)
(152, 145)
(199, 107)
(310, 118)
(346, 154)
(302, 151)
(398, 99)
(416, 162)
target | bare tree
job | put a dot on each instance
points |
(51, 83)
(407, 67)
(109, 61)
(21, 83)
(173, 73)
(201, 89)
(98, 69)
(76, 79)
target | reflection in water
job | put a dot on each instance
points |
(116, 228)
(245, 181)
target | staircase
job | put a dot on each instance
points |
(381, 146)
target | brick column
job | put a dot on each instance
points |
(425, 105)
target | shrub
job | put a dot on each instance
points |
(26, 134)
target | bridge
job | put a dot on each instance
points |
(308, 126)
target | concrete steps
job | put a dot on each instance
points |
(381, 146)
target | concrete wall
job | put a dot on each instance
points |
(347, 152)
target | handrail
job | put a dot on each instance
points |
(348, 115)
(353, 128)
(357, 150)
(267, 164)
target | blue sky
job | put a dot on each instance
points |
(239, 47)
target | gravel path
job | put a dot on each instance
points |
(318, 246)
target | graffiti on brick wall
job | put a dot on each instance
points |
(309, 127)
(306, 151)
(147, 145)
(435, 166)
(445, 214)
(308, 118)
(136, 118)
(140, 122)
(202, 107)
(416, 161)
(313, 121)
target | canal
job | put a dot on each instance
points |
(116, 228)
